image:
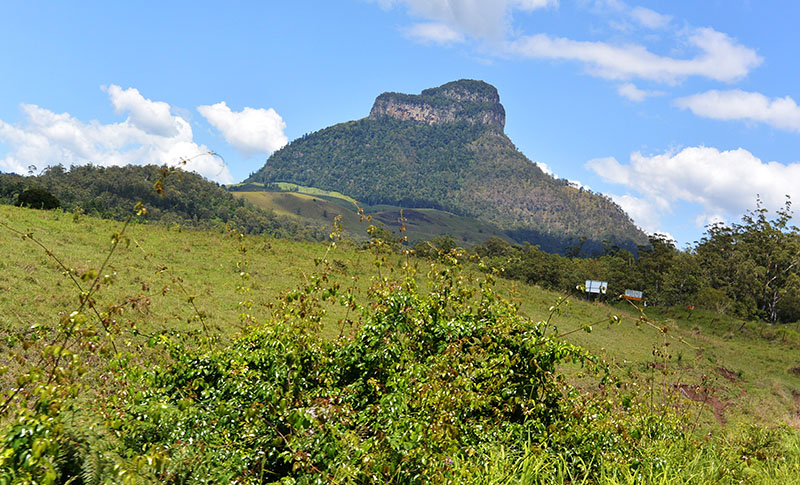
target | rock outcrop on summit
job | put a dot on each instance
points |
(466, 100)
(445, 149)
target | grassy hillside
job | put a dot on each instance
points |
(287, 187)
(160, 279)
(764, 358)
(320, 207)
(303, 206)
(146, 269)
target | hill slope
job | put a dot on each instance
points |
(445, 149)
(420, 224)
(35, 291)
(189, 199)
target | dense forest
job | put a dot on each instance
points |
(184, 198)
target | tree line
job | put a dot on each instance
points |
(749, 269)
(111, 192)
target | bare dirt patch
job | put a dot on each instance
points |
(706, 396)
(729, 374)
(794, 419)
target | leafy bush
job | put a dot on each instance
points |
(429, 375)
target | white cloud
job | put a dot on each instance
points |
(723, 183)
(546, 169)
(153, 117)
(434, 32)
(607, 4)
(488, 19)
(623, 13)
(577, 184)
(782, 113)
(631, 92)
(250, 131)
(643, 213)
(720, 57)
(717, 56)
(530, 5)
(650, 18)
(150, 134)
(703, 220)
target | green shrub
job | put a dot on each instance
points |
(428, 376)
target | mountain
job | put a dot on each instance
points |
(445, 149)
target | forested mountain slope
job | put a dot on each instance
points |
(446, 149)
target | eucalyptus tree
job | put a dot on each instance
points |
(756, 263)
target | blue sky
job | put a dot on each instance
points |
(682, 112)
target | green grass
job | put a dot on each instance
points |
(748, 371)
(682, 462)
(289, 187)
(308, 207)
(34, 292)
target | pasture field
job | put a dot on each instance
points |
(732, 382)
(320, 207)
(754, 372)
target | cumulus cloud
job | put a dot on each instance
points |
(724, 183)
(150, 134)
(434, 32)
(487, 19)
(152, 117)
(720, 57)
(650, 18)
(642, 211)
(546, 169)
(250, 131)
(782, 113)
(631, 92)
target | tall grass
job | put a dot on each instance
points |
(196, 333)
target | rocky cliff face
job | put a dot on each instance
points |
(464, 100)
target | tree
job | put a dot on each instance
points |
(37, 198)
(682, 281)
(773, 246)
(653, 263)
(755, 263)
